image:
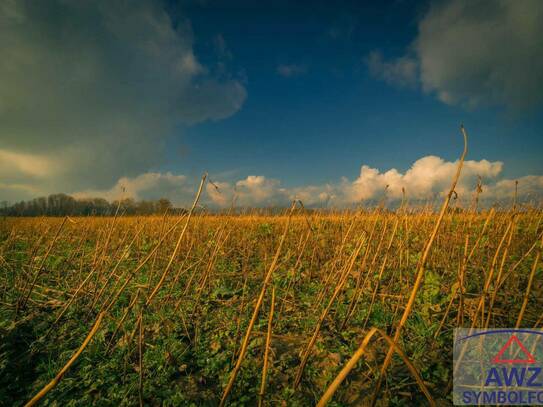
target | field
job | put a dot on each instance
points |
(251, 308)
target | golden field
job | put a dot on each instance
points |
(199, 308)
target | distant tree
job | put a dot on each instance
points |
(62, 205)
(128, 206)
(164, 205)
(145, 207)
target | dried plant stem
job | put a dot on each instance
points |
(359, 285)
(120, 323)
(177, 245)
(519, 262)
(336, 261)
(112, 273)
(356, 357)
(62, 371)
(295, 269)
(140, 358)
(174, 253)
(42, 263)
(489, 277)
(460, 289)
(108, 237)
(529, 287)
(337, 291)
(500, 272)
(256, 310)
(267, 350)
(152, 271)
(381, 271)
(240, 313)
(112, 301)
(421, 270)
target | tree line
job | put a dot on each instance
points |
(62, 205)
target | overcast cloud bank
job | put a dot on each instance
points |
(92, 90)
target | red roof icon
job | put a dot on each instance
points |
(513, 339)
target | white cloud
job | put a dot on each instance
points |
(291, 70)
(92, 90)
(475, 53)
(220, 193)
(529, 187)
(253, 191)
(312, 195)
(150, 185)
(259, 189)
(427, 178)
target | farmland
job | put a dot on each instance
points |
(253, 308)
(235, 203)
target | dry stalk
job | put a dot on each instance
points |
(356, 357)
(256, 310)
(421, 270)
(529, 287)
(62, 371)
(337, 291)
(267, 351)
(40, 267)
(140, 359)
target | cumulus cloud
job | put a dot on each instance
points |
(150, 185)
(529, 187)
(253, 191)
(90, 91)
(428, 177)
(475, 53)
(291, 70)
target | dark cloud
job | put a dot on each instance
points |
(475, 53)
(97, 86)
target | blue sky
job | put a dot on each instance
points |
(323, 123)
(300, 95)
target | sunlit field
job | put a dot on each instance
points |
(191, 309)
